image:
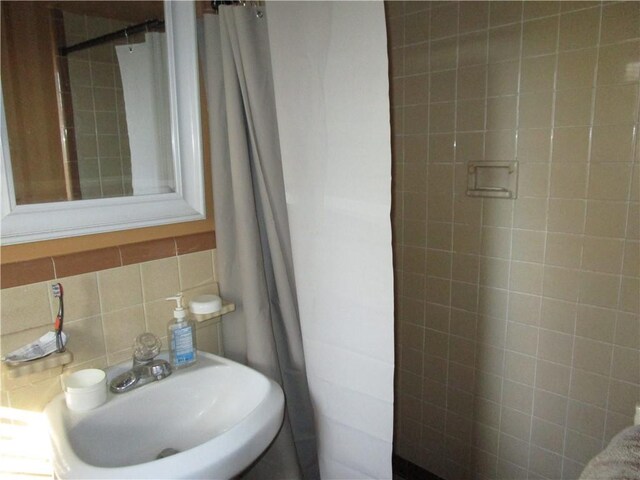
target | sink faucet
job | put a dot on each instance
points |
(145, 368)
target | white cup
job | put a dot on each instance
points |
(85, 389)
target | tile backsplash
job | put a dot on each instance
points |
(104, 311)
(518, 334)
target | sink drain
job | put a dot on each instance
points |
(167, 452)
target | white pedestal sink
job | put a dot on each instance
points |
(219, 416)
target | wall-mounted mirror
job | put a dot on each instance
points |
(100, 117)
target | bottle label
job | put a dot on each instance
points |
(183, 346)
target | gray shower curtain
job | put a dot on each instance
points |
(254, 262)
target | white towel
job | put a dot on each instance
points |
(619, 461)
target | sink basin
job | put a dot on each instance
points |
(218, 415)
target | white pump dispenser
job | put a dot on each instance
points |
(182, 336)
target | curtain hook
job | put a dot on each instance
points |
(126, 35)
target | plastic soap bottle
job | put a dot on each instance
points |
(181, 333)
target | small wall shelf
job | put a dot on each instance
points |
(39, 365)
(227, 307)
(492, 179)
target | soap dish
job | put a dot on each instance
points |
(34, 366)
(206, 307)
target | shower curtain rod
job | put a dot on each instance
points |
(125, 32)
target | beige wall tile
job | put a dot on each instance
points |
(579, 29)
(465, 268)
(496, 213)
(473, 16)
(595, 323)
(599, 289)
(471, 82)
(520, 368)
(466, 239)
(561, 283)
(586, 419)
(416, 119)
(81, 298)
(555, 347)
(535, 9)
(606, 219)
(464, 296)
(196, 269)
(573, 107)
(630, 295)
(592, 356)
(547, 435)
(492, 302)
(442, 86)
(549, 406)
(526, 277)
(552, 377)
(571, 144)
(534, 145)
(620, 22)
(540, 36)
(576, 68)
(416, 27)
(522, 338)
(533, 180)
(443, 54)
(504, 43)
(122, 327)
(567, 216)
(120, 288)
(442, 117)
(415, 59)
(444, 20)
(524, 308)
(470, 116)
(530, 213)
(472, 49)
(627, 330)
(505, 13)
(416, 89)
(500, 145)
(569, 180)
(558, 315)
(613, 61)
(602, 254)
(616, 104)
(612, 143)
(501, 113)
(589, 387)
(516, 424)
(564, 250)
(538, 73)
(86, 339)
(159, 279)
(527, 245)
(496, 242)
(626, 365)
(502, 79)
(25, 307)
(623, 396)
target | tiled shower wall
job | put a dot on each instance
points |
(102, 138)
(104, 311)
(518, 328)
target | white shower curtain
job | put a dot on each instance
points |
(144, 73)
(332, 97)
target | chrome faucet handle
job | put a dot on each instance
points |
(145, 348)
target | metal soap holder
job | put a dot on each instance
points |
(492, 179)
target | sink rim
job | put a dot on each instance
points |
(247, 438)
